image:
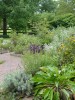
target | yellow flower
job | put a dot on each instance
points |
(74, 40)
(62, 46)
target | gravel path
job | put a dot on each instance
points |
(11, 63)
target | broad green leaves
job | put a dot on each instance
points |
(51, 82)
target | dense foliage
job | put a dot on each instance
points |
(45, 41)
(54, 84)
(65, 20)
(20, 10)
(18, 84)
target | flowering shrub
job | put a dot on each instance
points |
(36, 48)
(67, 51)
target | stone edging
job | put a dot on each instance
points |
(16, 55)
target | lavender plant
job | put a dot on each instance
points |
(19, 84)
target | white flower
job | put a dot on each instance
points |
(48, 47)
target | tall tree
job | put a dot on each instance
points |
(22, 13)
(6, 7)
(17, 11)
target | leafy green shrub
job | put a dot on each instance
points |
(1, 40)
(54, 84)
(32, 62)
(65, 20)
(5, 44)
(22, 42)
(46, 38)
(60, 35)
(40, 26)
(18, 84)
(7, 96)
(62, 46)
(40, 23)
(67, 50)
(27, 39)
(14, 38)
(18, 49)
(43, 31)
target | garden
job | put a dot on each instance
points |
(37, 50)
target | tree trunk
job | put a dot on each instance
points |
(4, 26)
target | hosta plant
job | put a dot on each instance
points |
(52, 83)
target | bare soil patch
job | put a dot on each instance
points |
(11, 64)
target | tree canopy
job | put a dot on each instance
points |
(47, 5)
(17, 12)
(66, 6)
